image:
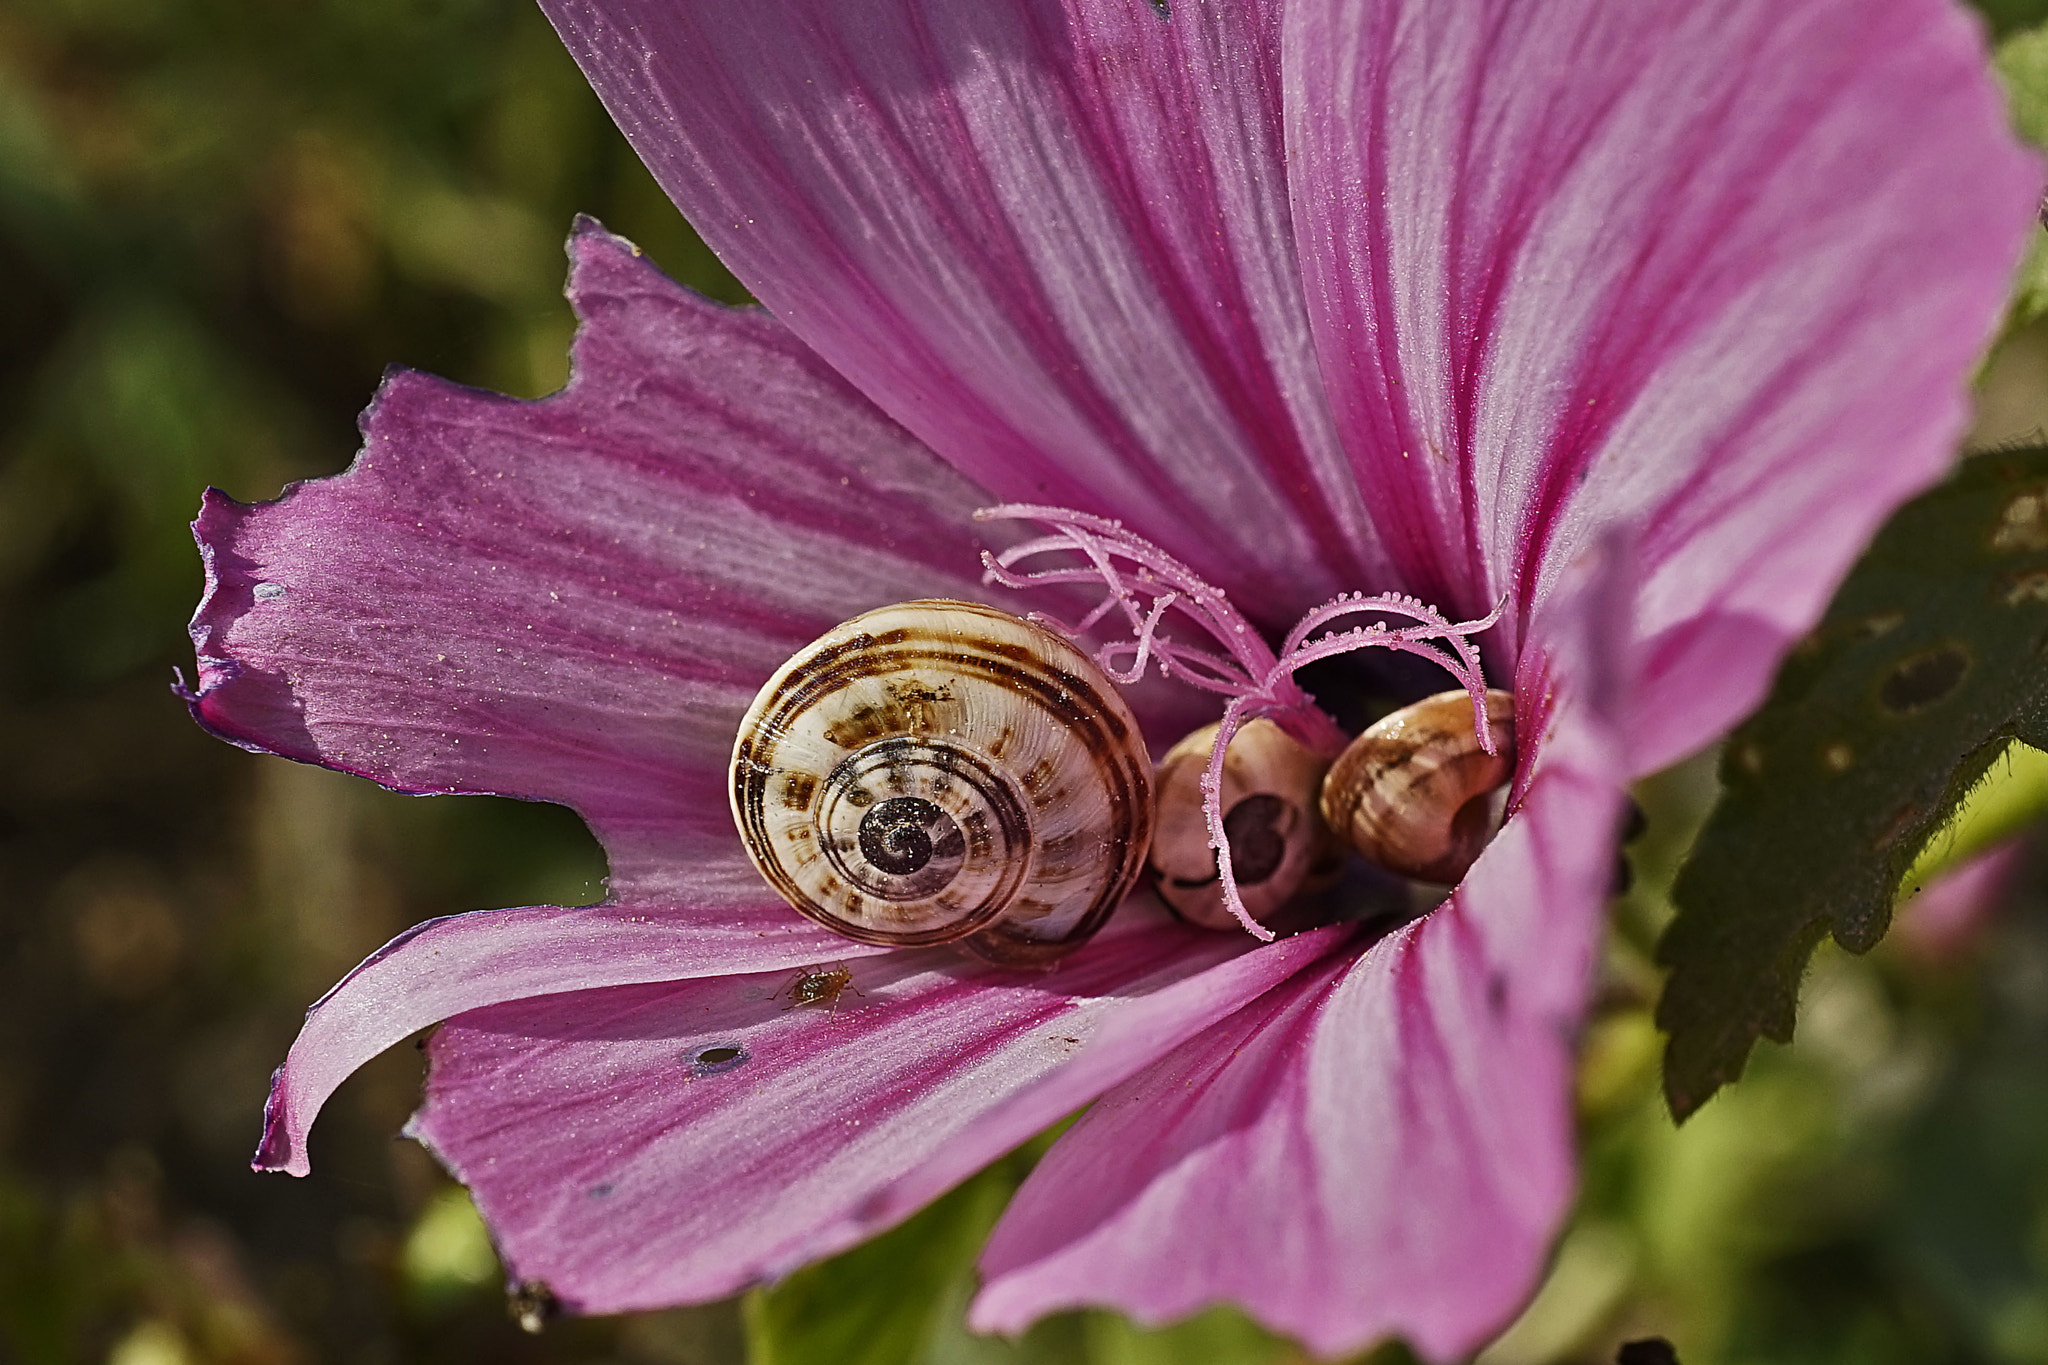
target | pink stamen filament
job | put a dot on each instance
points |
(1257, 682)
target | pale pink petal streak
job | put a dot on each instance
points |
(574, 599)
(643, 1146)
(1383, 1147)
(1720, 268)
(1052, 239)
(445, 967)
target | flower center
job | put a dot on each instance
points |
(1145, 584)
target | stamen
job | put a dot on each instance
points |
(1148, 638)
(1257, 682)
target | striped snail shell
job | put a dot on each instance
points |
(1413, 793)
(1279, 846)
(941, 772)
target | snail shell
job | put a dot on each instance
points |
(1279, 845)
(938, 772)
(1412, 792)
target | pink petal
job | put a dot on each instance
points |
(1051, 239)
(574, 599)
(1359, 1153)
(446, 967)
(644, 1146)
(1948, 917)
(1723, 268)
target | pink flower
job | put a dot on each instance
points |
(1949, 918)
(1637, 315)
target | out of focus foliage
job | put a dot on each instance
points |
(1925, 671)
(219, 220)
(2011, 16)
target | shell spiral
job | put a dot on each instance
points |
(938, 772)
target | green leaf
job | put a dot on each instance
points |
(1928, 664)
(887, 1301)
(1216, 1336)
(902, 1299)
(2008, 15)
(2022, 66)
(2012, 796)
(2021, 63)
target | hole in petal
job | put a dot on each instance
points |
(718, 1058)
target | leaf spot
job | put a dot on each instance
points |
(1837, 758)
(2027, 587)
(2024, 523)
(1920, 681)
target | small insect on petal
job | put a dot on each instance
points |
(818, 986)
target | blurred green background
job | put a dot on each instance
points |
(219, 221)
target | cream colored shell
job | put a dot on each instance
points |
(1413, 793)
(1279, 845)
(939, 772)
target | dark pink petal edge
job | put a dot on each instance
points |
(573, 599)
(1718, 271)
(1052, 239)
(446, 967)
(1379, 1147)
(644, 1146)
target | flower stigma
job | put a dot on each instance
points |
(1144, 583)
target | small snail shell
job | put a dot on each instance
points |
(1411, 792)
(1278, 843)
(941, 771)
